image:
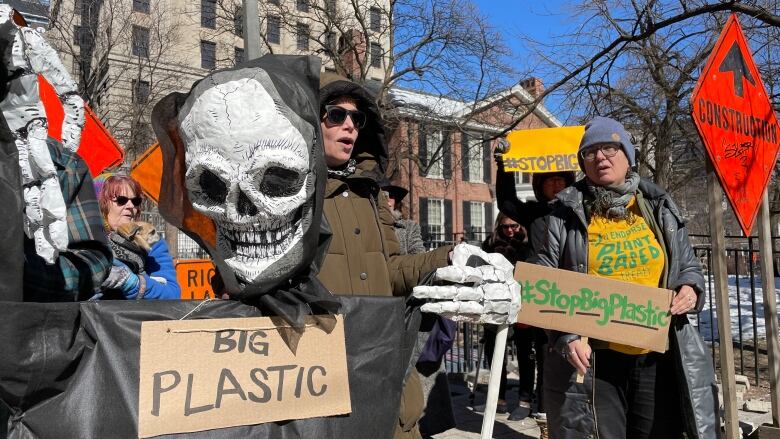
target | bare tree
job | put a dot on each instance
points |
(125, 56)
(638, 61)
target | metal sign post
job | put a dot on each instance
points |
(726, 348)
(770, 306)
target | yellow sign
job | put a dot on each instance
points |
(543, 150)
(208, 374)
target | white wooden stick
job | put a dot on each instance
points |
(496, 369)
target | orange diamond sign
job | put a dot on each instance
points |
(736, 122)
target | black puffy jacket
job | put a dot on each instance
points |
(563, 244)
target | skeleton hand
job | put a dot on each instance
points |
(477, 287)
(30, 55)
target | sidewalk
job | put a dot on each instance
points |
(469, 421)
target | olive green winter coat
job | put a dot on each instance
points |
(363, 257)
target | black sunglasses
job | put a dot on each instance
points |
(337, 115)
(122, 200)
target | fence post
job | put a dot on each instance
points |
(770, 306)
(172, 239)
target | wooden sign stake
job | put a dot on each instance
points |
(496, 369)
(718, 255)
(770, 306)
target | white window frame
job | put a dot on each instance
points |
(474, 159)
(436, 225)
(522, 178)
(433, 140)
(477, 218)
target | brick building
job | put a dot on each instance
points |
(442, 151)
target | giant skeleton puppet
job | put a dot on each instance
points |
(244, 176)
(26, 55)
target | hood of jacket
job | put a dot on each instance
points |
(537, 181)
(293, 80)
(370, 150)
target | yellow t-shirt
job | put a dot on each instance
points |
(625, 250)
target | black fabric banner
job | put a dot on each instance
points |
(72, 370)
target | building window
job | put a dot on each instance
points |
(238, 55)
(238, 24)
(330, 7)
(376, 55)
(273, 33)
(141, 41)
(302, 36)
(522, 178)
(141, 91)
(208, 13)
(331, 42)
(375, 19)
(476, 227)
(208, 55)
(474, 159)
(302, 5)
(141, 6)
(436, 220)
(434, 146)
(82, 37)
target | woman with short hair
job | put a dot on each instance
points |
(627, 392)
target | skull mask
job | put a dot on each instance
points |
(250, 161)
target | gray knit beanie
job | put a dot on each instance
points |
(605, 130)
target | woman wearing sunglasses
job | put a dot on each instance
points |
(363, 257)
(143, 268)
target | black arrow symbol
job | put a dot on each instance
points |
(734, 62)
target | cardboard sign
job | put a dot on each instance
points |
(98, 147)
(543, 150)
(194, 277)
(200, 375)
(737, 123)
(592, 306)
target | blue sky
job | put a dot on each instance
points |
(538, 20)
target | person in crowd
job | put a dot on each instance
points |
(364, 255)
(142, 268)
(545, 186)
(78, 272)
(406, 230)
(626, 392)
(509, 239)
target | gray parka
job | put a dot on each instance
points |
(562, 243)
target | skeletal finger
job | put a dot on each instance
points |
(468, 307)
(450, 292)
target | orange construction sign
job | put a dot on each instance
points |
(147, 171)
(194, 277)
(736, 122)
(98, 147)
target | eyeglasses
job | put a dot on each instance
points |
(122, 200)
(510, 226)
(608, 149)
(337, 115)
